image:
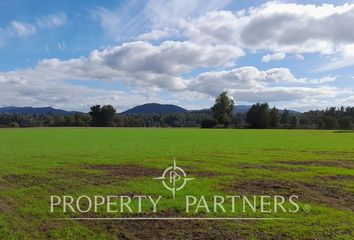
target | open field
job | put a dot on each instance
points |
(37, 163)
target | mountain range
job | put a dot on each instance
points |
(140, 109)
(34, 110)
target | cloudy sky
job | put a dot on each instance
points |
(69, 55)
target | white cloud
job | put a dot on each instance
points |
(298, 56)
(151, 68)
(167, 14)
(138, 64)
(282, 28)
(109, 20)
(279, 94)
(18, 29)
(67, 96)
(322, 80)
(345, 59)
(273, 57)
(213, 27)
(250, 84)
(153, 35)
(148, 71)
(158, 17)
(52, 20)
(203, 39)
(21, 29)
(155, 67)
(322, 103)
(274, 26)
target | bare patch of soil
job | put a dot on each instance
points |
(175, 230)
(80, 177)
(6, 206)
(319, 192)
(167, 229)
(24, 180)
(337, 178)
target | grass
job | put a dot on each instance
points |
(37, 163)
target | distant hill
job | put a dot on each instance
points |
(242, 108)
(32, 110)
(155, 108)
(141, 109)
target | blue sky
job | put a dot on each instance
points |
(70, 55)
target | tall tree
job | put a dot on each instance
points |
(329, 122)
(294, 120)
(273, 117)
(257, 116)
(107, 112)
(102, 117)
(223, 109)
(345, 122)
(96, 115)
(284, 119)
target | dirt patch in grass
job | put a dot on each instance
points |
(320, 163)
(318, 192)
(166, 229)
(328, 153)
(78, 178)
(6, 206)
(24, 180)
(126, 170)
(337, 178)
(175, 230)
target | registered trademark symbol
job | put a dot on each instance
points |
(307, 208)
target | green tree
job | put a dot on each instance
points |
(257, 116)
(96, 115)
(209, 123)
(223, 109)
(14, 125)
(284, 119)
(108, 112)
(329, 122)
(345, 122)
(294, 121)
(102, 117)
(273, 117)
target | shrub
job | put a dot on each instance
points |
(14, 125)
(209, 123)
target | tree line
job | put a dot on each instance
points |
(222, 114)
(260, 116)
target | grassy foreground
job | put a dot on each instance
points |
(37, 163)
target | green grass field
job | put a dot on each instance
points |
(37, 163)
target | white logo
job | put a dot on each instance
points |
(174, 178)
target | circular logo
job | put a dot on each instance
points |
(174, 178)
